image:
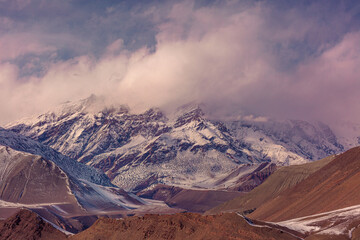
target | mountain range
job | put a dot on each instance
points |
(81, 162)
(184, 148)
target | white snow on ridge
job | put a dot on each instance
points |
(108, 195)
(176, 148)
(68, 165)
(265, 147)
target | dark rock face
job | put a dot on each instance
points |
(195, 115)
(27, 225)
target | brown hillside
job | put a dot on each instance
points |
(32, 179)
(278, 182)
(179, 226)
(332, 187)
(189, 199)
(27, 225)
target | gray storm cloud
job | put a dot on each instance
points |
(232, 57)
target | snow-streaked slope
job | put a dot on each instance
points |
(287, 142)
(68, 165)
(33, 182)
(135, 148)
(183, 148)
(28, 178)
(338, 222)
(31, 179)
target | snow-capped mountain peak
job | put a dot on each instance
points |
(179, 148)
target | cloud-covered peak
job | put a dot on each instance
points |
(276, 59)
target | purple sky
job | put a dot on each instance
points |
(267, 58)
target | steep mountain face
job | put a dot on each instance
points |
(70, 166)
(184, 148)
(287, 142)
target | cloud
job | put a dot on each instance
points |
(207, 62)
(13, 46)
(329, 83)
(252, 57)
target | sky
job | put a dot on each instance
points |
(280, 59)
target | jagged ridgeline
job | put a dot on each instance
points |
(184, 148)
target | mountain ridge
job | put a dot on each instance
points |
(183, 148)
(62, 190)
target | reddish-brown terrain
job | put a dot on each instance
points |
(291, 192)
(334, 186)
(179, 226)
(282, 179)
(319, 200)
(26, 225)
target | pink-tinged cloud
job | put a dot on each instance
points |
(15, 45)
(329, 84)
(233, 58)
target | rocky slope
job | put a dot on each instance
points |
(27, 178)
(332, 187)
(70, 166)
(180, 226)
(341, 224)
(318, 199)
(281, 180)
(31, 179)
(58, 188)
(27, 225)
(184, 148)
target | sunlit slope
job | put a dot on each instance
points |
(281, 180)
(332, 187)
